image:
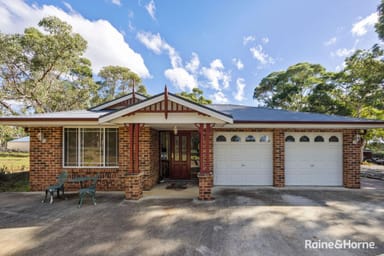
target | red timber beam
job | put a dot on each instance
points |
(166, 102)
(134, 134)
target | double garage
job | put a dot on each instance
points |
(246, 158)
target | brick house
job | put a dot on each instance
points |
(135, 141)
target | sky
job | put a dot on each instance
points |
(223, 47)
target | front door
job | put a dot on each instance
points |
(180, 156)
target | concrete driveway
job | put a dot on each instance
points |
(239, 222)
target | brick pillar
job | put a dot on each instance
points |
(205, 186)
(133, 186)
(351, 159)
(278, 158)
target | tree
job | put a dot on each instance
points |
(196, 96)
(44, 71)
(117, 81)
(379, 26)
(302, 87)
(362, 81)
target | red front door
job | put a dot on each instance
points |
(180, 156)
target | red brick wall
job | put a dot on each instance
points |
(278, 158)
(46, 162)
(351, 161)
(149, 156)
(45, 158)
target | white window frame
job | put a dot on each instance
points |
(79, 148)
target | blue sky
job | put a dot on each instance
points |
(223, 47)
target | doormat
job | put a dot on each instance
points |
(177, 186)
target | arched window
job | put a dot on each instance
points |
(250, 138)
(333, 139)
(289, 138)
(319, 139)
(304, 139)
(221, 138)
(235, 138)
(264, 138)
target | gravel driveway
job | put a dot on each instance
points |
(239, 222)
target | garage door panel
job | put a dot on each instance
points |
(313, 163)
(243, 163)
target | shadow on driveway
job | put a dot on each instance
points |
(238, 222)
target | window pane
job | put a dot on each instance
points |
(70, 147)
(177, 152)
(333, 139)
(319, 139)
(264, 138)
(195, 154)
(111, 147)
(235, 138)
(290, 139)
(221, 138)
(92, 144)
(184, 148)
(304, 139)
(250, 138)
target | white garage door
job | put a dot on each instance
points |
(243, 158)
(313, 159)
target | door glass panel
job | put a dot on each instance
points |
(184, 148)
(177, 150)
(195, 154)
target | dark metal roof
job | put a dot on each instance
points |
(248, 114)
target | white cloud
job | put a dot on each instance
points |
(343, 52)
(151, 9)
(259, 54)
(193, 64)
(331, 41)
(240, 85)
(116, 2)
(106, 45)
(361, 28)
(155, 43)
(248, 39)
(215, 74)
(219, 97)
(181, 78)
(238, 63)
(265, 40)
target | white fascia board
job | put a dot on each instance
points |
(131, 109)
(203, 110)
(304, 125)
(117, 101)
(56, 123)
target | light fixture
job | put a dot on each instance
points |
(175, 130)
(356, 139)
(41, 137)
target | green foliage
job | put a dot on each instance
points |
(196, 96)
(379, 26)
(302, 87)
(117, 81)
(45, 71)
(8, 133)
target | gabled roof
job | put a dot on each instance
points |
(171, 97)
(118, 100)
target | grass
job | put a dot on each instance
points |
(11, 162)
(14, 172)
(14, 182)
